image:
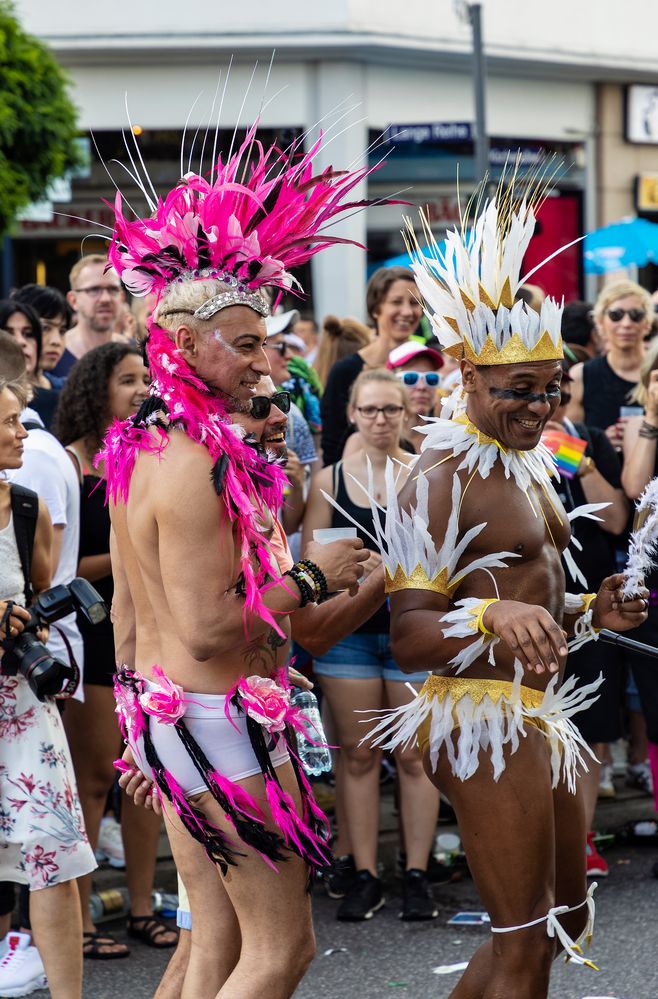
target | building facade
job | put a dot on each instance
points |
(555, 83)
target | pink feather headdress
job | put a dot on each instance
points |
(259, 215)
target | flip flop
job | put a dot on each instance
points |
(93, 942)
(150, 931)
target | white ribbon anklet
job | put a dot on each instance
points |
(554, 928)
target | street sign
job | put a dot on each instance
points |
(433, 131)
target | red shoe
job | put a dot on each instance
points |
(596, 865)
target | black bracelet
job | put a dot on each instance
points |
(648, 431)
(307, 596)
(318, 577)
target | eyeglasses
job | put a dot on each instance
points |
(371, 412)
(635, 315)
(96, 290)
(430, 378)
(261, 405)
(280, 348)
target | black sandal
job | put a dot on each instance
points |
(93, 942)
(150, 931)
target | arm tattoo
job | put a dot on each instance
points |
(262, 654)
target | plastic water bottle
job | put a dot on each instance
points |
(110, 903)
(314, 755)
(165, 903)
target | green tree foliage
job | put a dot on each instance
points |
(37, 119)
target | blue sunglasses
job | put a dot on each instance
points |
(410, 378)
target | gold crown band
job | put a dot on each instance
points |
(418, 580)
(513, 352)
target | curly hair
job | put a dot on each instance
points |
(83, 406)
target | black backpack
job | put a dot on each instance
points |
(25, 511)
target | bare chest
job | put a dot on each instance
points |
(526, 524)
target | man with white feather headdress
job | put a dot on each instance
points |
(473, 551)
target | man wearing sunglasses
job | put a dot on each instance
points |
(417, 367)
(623, 314)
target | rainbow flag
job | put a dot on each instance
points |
(567, 450)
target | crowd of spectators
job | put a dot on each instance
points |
(343, 399)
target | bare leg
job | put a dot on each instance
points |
(359, 769)
(171, 983)
(638, 748)
(141, 835)
(270, 963)
(589, 784)
(419, 799)
(342, 843)
(57, 932)
(5, 925)
(94, 740)
(215, 938)
(520, 805)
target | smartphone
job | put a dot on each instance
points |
(630, 411)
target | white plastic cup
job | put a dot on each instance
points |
(325, 535)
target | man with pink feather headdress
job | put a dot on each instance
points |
(205, 704)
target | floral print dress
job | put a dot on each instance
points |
(42, 833)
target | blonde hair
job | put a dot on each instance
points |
(20, 387)
(621, 289)
(86, 261)
(181, 300)
(340, 338)
(381, 375)
(650, 363)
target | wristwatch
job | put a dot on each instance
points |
(586, 467)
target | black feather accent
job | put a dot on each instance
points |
(218, 474)
(254, 834)
(152, 404)
(218, 847)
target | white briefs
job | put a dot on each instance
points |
(229, 751)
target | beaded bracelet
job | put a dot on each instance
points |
(319, 578)
(299, 577)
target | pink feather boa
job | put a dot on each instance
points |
(251, 487)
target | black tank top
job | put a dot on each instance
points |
(380, 622)
(95, 540)
(604, 393)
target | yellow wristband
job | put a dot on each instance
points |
(586, 600)
(478, 614)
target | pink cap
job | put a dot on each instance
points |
(411, 350)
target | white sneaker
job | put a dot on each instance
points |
(110, 843)
(21, 968)
(606, 785)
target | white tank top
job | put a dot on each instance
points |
(12, 585)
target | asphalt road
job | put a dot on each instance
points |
(386, 957)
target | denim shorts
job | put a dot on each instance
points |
(364, 656)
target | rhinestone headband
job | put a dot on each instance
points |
(228, 298)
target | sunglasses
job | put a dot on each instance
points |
(635, 315)
(280, 348)
(261, 405)
(430, 378)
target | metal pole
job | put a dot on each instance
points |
(481, 140)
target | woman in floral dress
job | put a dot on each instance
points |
(42, 837)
